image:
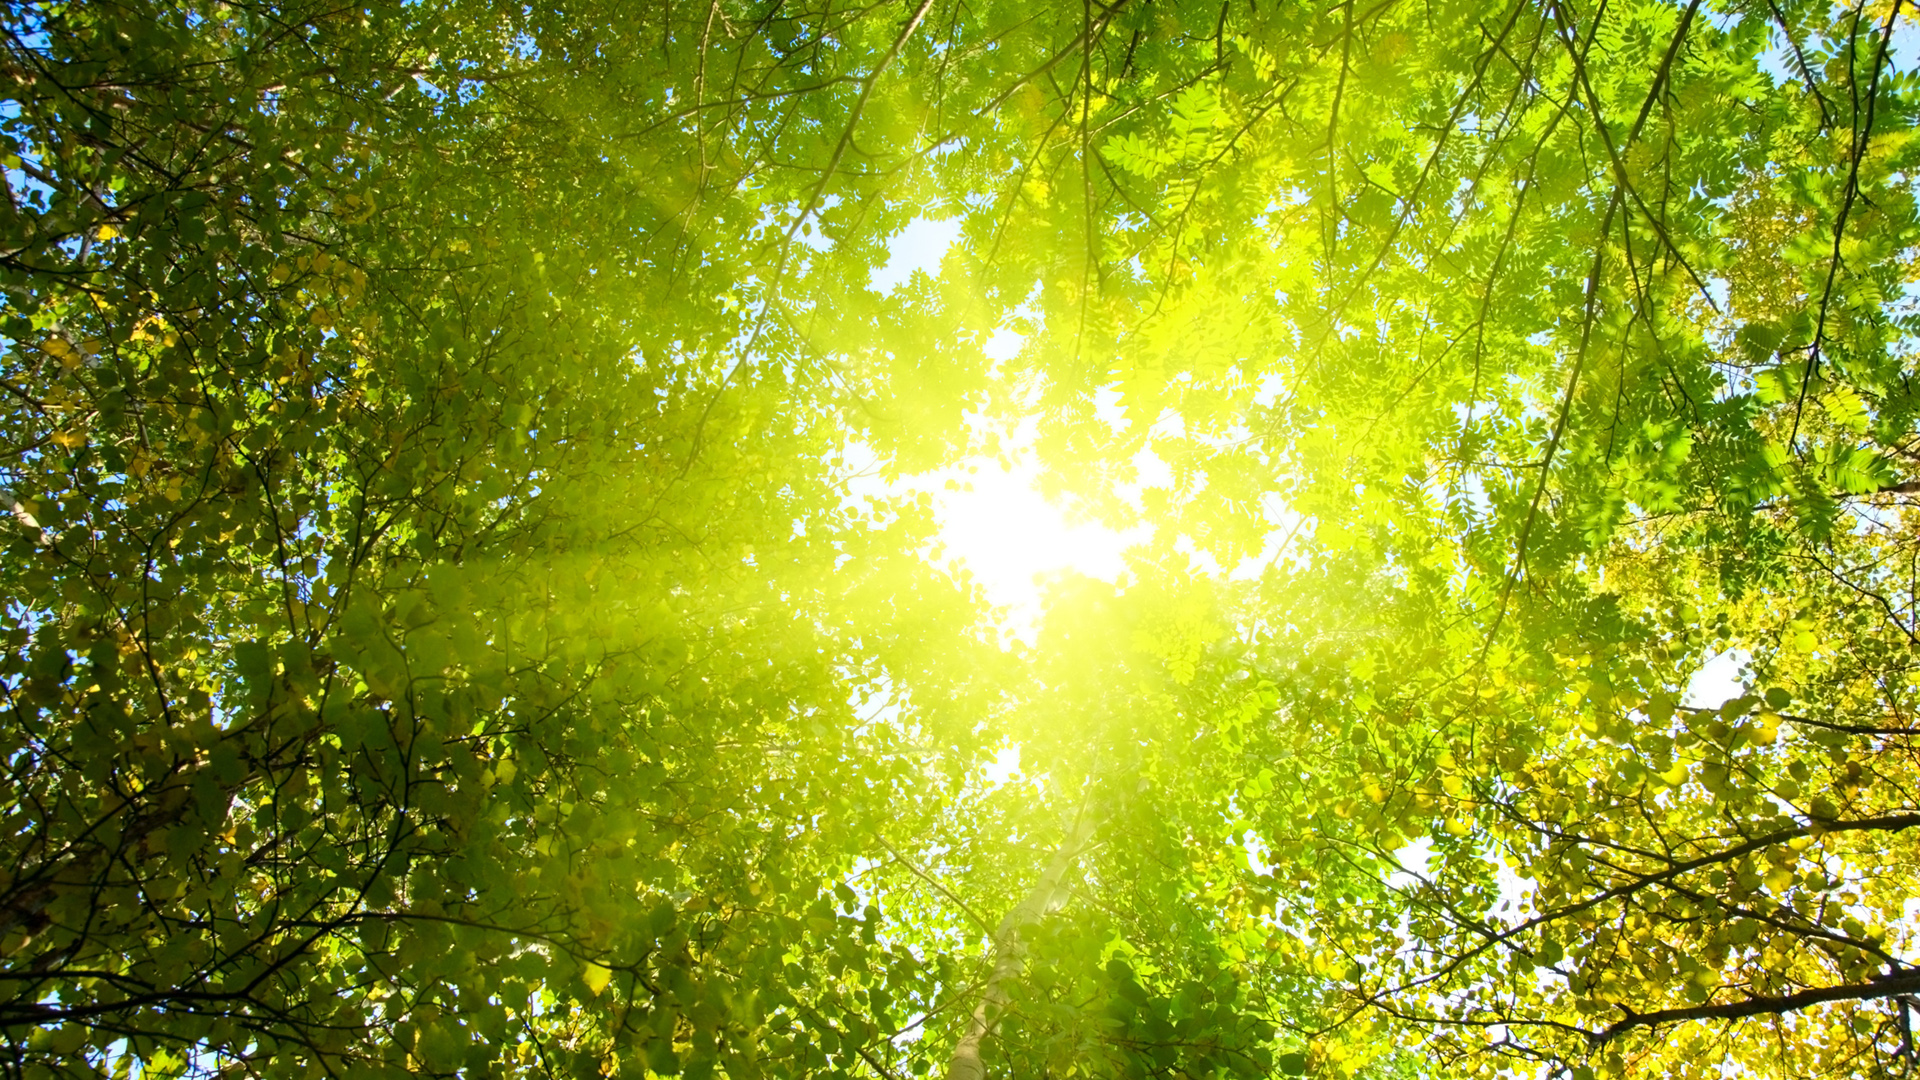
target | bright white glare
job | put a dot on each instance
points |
(1717, 682)
(1416, 861)
(1004, 766)
(996, 523)
(1003, 345)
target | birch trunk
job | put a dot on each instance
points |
(1009, 953)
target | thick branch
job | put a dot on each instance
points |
(1892, 986)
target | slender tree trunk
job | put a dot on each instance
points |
(1009, 951)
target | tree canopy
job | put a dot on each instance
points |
(465, 613)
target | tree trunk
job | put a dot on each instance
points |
(1009, 951)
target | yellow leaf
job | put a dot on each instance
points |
(1803, 639)
(596, 976)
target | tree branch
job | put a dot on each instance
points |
(1890, 986)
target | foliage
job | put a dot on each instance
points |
(448, 632)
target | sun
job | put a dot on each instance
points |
(995, 522)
